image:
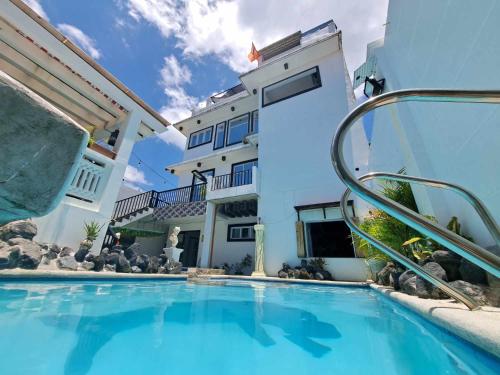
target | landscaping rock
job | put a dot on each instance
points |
(283, 274)
(81, 253)
(67, 263)
(50, 251)
(122, 266)
(20, 228)
(475, 291)
(303, 274)
(116, 249)
(153, 265)
(30, 253)
(383, 277)
(427, 290)
(136, 269)
(66, 251)
(9, 257)
(162, 259)
(394, 279)
(173, 267)
(323, 275)
(409, 285)
(88, 266)
(450, 263)
(110, 268)
(112, 259)
(98, 263)
(472, 273)
(133, 250)
(105, 251)
(405, 276)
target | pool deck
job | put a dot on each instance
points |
(480, 327)
(18, 273)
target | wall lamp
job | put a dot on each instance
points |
(373, 87)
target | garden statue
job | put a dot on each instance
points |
(173, 237)
(172, 252)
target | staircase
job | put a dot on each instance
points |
(141, 205)
(470, 251)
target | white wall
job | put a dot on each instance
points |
(459, 47)
(294, 157)
(152, 245)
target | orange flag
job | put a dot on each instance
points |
(254, 54)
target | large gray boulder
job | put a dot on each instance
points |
(9, 257)
(472, 273)
(427, 290)
(450, 263)
(477, 292)
(20, 228)
(133, 250)
(123, 266)
(30, 253)
(383, 277)
(40, 152)
(67, 263)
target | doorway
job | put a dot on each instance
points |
(189, 241)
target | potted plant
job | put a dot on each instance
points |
(92, 230)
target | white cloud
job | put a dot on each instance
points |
(173, 77)
(134, 176)
(227, 28)
(173, 137)
(37, 7)
(77, 36)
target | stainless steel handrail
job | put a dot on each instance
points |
(445, 237)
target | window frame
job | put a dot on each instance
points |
(223, 136)
(239, 163)
(230, 228)
(296, 94)
(199, 131)
(228, 128)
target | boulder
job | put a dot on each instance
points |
(20, 228)
(133, 250)
(472, 273)
(105, 251)
(110, 267)
(475, 291)
(383, 277)
(323, 275)
(67, 263)
(122, 266)
(50, 251)
(173, 267)
(293, 273)
(112, 258)
(450, 263)
(30, 253)
(409, 285)
(136, 269)
(9, 256)
(427, 290)
(162, 259)
(405, 276)
(116, 249)
(285, 267)
(394, 279)
(283, 274)
(153, 265)
(303, 274)
(66, 251)
(98, 263)
(81, 253)
(88, 266)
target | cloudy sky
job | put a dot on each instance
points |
(175, 53)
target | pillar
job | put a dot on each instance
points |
(259, 250)
(208, 235)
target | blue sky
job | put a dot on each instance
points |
(176, 53)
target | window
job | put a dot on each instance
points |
(254, 125)
(200, 137)
(220, 134)
(329, 239)
(237, 129)
(242, 172)
(291, 86)
(241, 232)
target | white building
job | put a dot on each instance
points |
(460, 143)
(33, 52)
(263, 149)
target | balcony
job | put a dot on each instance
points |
(232, 185)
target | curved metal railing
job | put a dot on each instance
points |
(472, 252)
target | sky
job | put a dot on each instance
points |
(176, 53)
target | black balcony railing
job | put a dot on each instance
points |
(233, 179)
(154, 199)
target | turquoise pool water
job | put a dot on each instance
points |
(174, 327)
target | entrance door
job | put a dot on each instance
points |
(189, 241)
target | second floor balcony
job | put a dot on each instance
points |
(243, 183)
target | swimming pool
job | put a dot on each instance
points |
(176, 327)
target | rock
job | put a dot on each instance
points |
(173, 267)
(105, 251)
(98, 263)
(409, 285)
(383, 277)
(283, 274)
(162, 259)
(475, 291)
(405, 276)
(30, 253)
(133, 250)
(293, 273)
(153, 265)
(81, 253)
(136, 269)
(142, 262)
(112, 259)
(304, 275)
(21, 228)
(116, 249)
(66, 251)
(9, 257)
(67, 263)
(323, 275)
(122, 266)
(472, 273)
(110, 268)
(88, 266)
(90, 257)
(285, 267)
(427, 290)
(450, 263)
(394, 279)
(50, 251)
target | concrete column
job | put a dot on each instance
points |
(208, 235)
(259, 250)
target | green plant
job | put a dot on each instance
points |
(92, 230)
(419, 248)
(317, 264)
(91, 141)
(456, 228)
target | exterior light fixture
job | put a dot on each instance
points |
(232, 109)
(113, 137)
(223, 158)
(180, 128)
(254, 91)
(285, 66)
(198, 121)
(198, 164)
(373, 87)
(196, 173)
(172, 171)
